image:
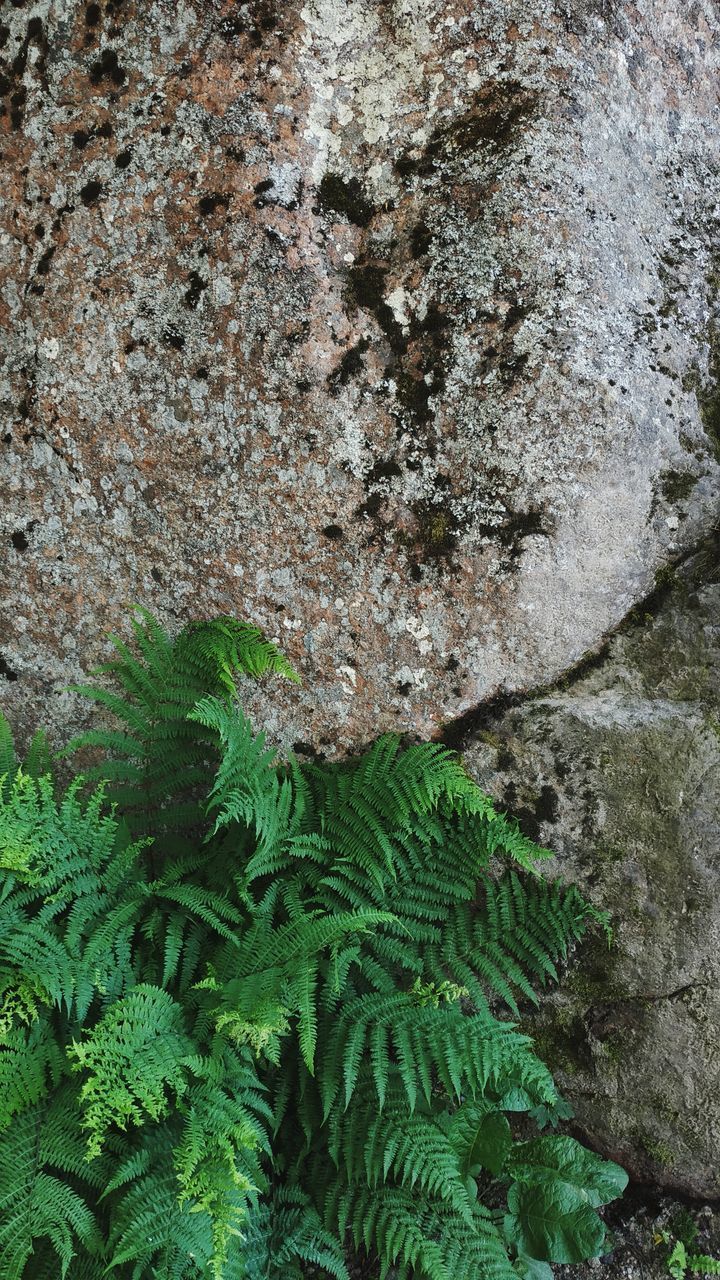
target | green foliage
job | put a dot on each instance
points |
(252, 1015)
(681, 1259)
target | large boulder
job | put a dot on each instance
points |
(620, 774)
(385, 325)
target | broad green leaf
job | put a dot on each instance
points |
(489, 1146)
(552, 1203)
(552, 1222)
(597, 1179)
(532, 1269)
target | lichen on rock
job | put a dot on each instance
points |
(433, 277)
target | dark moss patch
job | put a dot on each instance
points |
(90, 193)
(81, 138)
(194, 291)
(259, 19)
(676, 486)
(92, 15)
(709, 396)
(11, 78)
(213, 201)
(495, 120)
(367, 285)
(384, 470)
(349, 367)
(546, 807)
(122, 159)
(333, 532)
(517, 526)
(345, 196)
(307, 749)
(174, 338)
(433, 322)
(19, 540)
(420, 240)
(437, 529)
(6, 670)
(414, 393)
(108, 67)
(261, 189)
(371, 506)
(43, 265)
(526, 819)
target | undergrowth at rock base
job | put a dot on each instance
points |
(249, 1012)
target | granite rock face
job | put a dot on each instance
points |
(385, 325)
(620, 774)
(393, 327)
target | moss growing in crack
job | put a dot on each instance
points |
(658, 1151)
(676, 486)
(437, 528)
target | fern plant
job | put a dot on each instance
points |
(254, 1016)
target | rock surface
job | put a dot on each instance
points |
(394, 328)
(620, 774)
(385, 325)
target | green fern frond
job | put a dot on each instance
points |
(132, 1058)
(8, 761)
(224, 646)
(286, 1232)
(248, 1010)
(37, 1201)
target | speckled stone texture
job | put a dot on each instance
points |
(386, 325)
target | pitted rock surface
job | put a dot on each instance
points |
(386, 326)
